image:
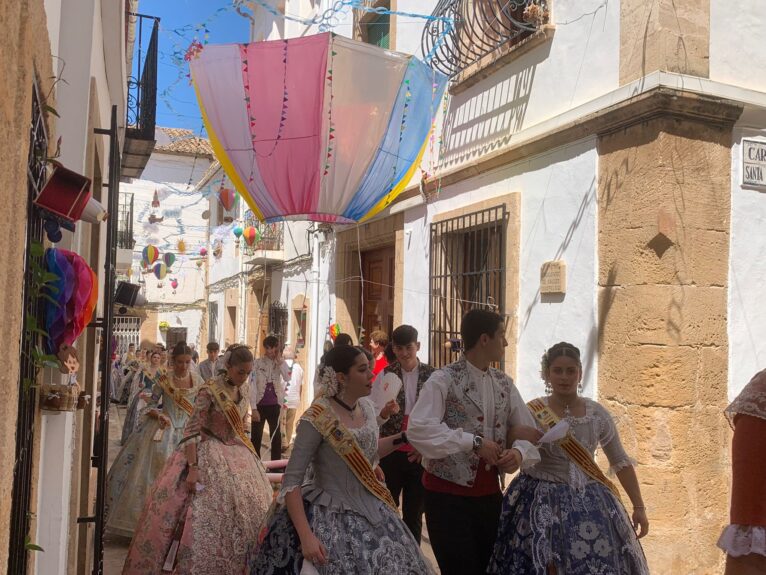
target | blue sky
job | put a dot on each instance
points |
(176, 103)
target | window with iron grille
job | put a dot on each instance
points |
(174, 336)
(269, 236)
(467, 271)
(278, 321)
(25, 422)
(212, 332)
(125, 222)
(126, 330)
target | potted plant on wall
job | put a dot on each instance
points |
(164, 326)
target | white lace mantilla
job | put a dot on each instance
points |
(751, 400)
(739, 540)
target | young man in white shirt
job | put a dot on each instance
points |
(402, 468)
(267, 395)
(459, 425)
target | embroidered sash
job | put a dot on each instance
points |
(230, 411)
(324, 420)
(573, 448)
(178, 395)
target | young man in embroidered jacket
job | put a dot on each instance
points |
(402, 467)
(459, 426)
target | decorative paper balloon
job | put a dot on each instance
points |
(203, 252)
(181, 247)
(334, 331)
(169, 258)
(250, 234)
(151, 253)
(174, 283)
(337, 144)
(237, 231)
(156, 200)
(129, 273)
(227, 197)
(160, 270)
(199, 263)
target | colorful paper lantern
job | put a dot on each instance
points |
(156, 200)
(237, 231)
(181, 247)
(150, 253)
(251, 235)
(174, 283)
(337, 135)
(169, 258)
(334, 331)
(160, 270)
(199, 263)
(203, 252)
(227, 198)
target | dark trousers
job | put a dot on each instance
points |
(462, 530)
(405, 478)
(270, 414)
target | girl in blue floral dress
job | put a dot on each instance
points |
(563, 516)
(338, 518)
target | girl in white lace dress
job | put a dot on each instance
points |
(563, 516)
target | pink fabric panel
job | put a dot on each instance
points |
(288, 157)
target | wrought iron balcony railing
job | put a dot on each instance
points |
(479, 28)
(270, 235)
(125, 238)
(142, 87)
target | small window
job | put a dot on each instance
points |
(467, 271)
(378, 31)
(175, 335)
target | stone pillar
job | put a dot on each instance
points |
(663, 240)
(667, 35)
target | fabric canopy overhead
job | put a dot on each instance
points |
(321, 127)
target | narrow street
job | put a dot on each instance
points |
(116, 548)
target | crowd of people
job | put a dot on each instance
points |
(387, 440)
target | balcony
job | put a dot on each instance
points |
(269, 247)
(142, 98)
(482, 32)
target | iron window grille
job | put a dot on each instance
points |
(126, 330)
(27, 404)
(125, 238)
(142, 87)
(278, 321)
(479, 28)
(467, 271)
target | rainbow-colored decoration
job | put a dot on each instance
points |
(321, 127)
(69, 307)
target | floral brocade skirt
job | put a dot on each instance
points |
(353, 543)
(578, 531)
(218, 522)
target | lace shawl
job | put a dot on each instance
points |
(751, 400)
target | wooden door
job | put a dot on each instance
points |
(377, 294)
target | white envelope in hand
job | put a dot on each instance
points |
(555, 433)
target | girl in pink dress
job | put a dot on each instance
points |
(212, 497)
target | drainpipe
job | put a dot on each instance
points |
(316, 343)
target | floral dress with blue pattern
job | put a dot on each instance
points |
(554, 515)
(360, 532)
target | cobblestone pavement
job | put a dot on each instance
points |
(116, 548)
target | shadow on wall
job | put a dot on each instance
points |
(483, 118)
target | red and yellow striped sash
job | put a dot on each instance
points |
(573, 448)
(178, 395)
(324, 420)
(230, 411)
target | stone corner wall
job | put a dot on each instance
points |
(25, 59)
(663, 237)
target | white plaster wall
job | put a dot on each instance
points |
(747, 267)
(558, 221)
(737, 55)
(580, 63)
